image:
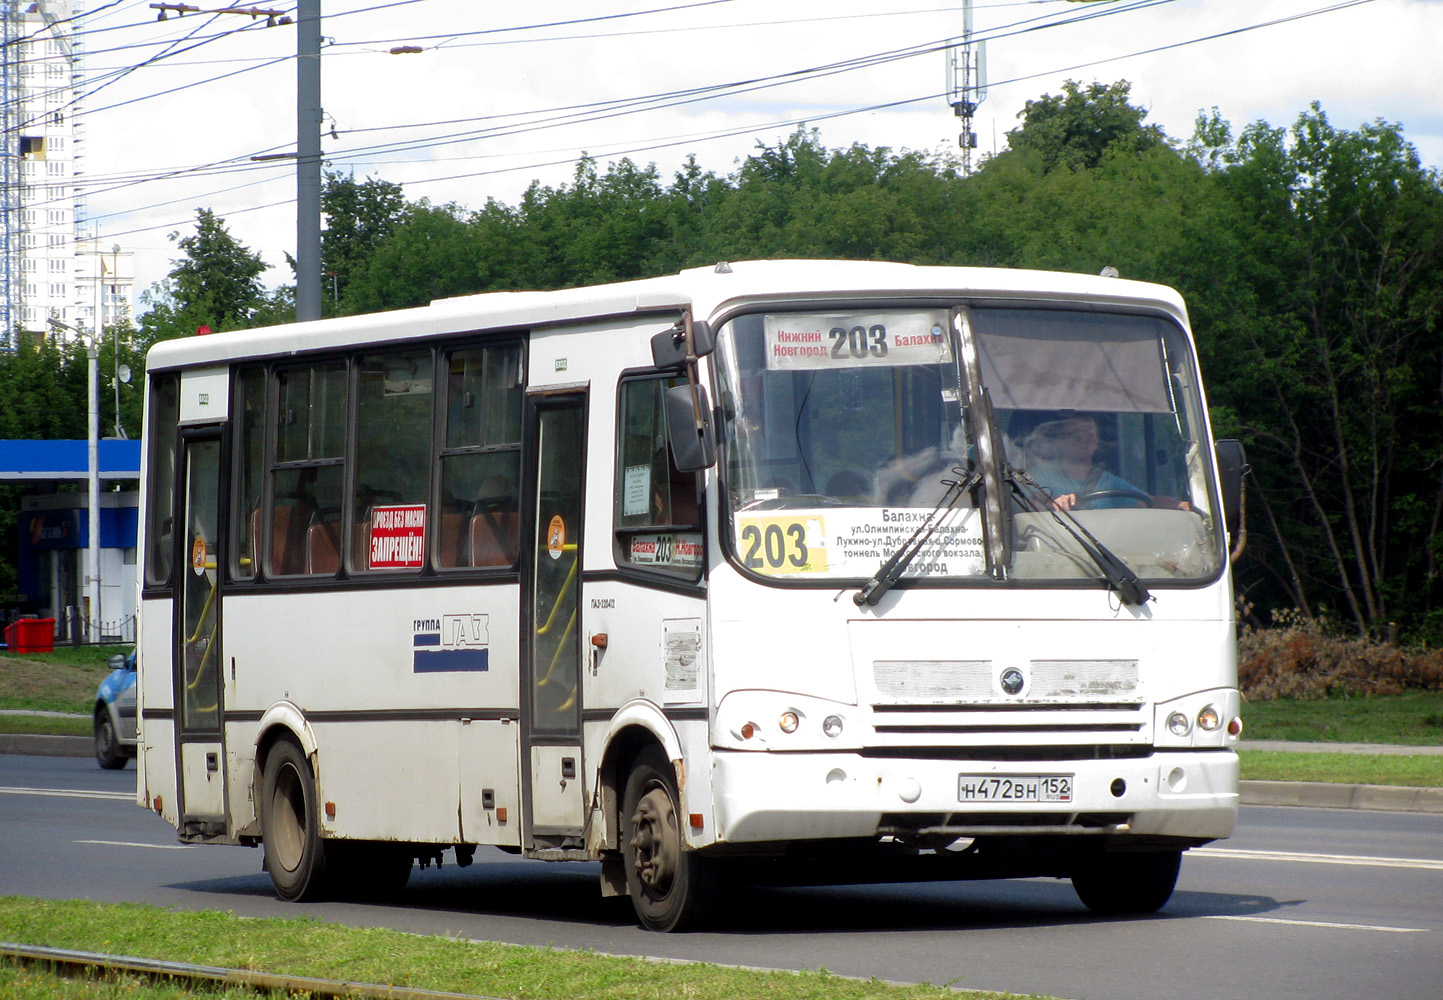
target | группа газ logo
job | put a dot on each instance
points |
(450, 642)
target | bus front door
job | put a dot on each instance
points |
(197, 653)
(552, 775)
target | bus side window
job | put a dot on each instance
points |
(480, 459)
(657, 506)
(308, 475)
(249, 430)
(393, 480)
(164, 414)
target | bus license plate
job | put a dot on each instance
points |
(1014, 788)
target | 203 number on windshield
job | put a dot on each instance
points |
(777, 545)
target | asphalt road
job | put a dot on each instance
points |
(1305, 903)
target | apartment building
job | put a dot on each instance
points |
(54, 275)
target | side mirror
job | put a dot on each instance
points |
(1232, 465)
(668, 348)
(116, 661)
(693, 448)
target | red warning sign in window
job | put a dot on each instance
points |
(398, 537)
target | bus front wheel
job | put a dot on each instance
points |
(296, 856)
(1127, 882)
(668, 884)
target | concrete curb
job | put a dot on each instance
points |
(1326, 795)
(47, 746)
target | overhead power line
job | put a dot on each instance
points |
(672, 98)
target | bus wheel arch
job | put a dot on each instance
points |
(282, 721)
(633, 728)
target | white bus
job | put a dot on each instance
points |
(779, 570)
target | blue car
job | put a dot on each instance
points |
(115, 713)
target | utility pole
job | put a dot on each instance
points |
(308, 139)
(92, 453)
(966, 83)
(308, 159)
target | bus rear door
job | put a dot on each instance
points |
(196, 657)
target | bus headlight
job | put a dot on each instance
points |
(774, 720)
(1198, 720)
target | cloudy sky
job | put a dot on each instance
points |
(502, 95)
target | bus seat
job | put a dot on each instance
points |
(452, 538)
(288, 556)
(323, 550)
(361, 544)
(493, 538)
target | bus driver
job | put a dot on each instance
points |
(1066, 469)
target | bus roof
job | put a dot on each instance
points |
(706, 290)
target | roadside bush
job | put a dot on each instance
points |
(1303, 658)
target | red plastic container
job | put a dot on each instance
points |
(31, 635)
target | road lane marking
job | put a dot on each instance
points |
(132, 843)
(1422, 864)
(70, 793)
(1320, 923)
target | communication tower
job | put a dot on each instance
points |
(966, 83)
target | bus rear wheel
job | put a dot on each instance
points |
(669, 885)
(1122, 883)
(296, 855)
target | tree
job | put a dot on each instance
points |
(218, 277)
(359, 216)
(433, 252)
(1077, 129)
(216, 285)
(1329, 356)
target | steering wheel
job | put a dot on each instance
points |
(1087, 498)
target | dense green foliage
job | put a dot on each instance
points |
(1310, 256)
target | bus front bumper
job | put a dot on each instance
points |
(771, 797)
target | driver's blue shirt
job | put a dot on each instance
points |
(1055, 480)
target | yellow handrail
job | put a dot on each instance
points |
(565, 584)
(556, 656)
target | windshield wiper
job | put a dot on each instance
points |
(891, 571)
(1119, 576)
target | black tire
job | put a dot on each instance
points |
(671, 888)
(297, 858)
(1122, 883)
(108, 752)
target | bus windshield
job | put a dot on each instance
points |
(844, 430)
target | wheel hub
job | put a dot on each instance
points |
(656, 841)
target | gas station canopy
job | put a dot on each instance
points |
(117, 459)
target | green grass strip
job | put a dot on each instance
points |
(1348, 768)
(34, 982)
(307, 947)
(44, 725)
(1414, 719)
